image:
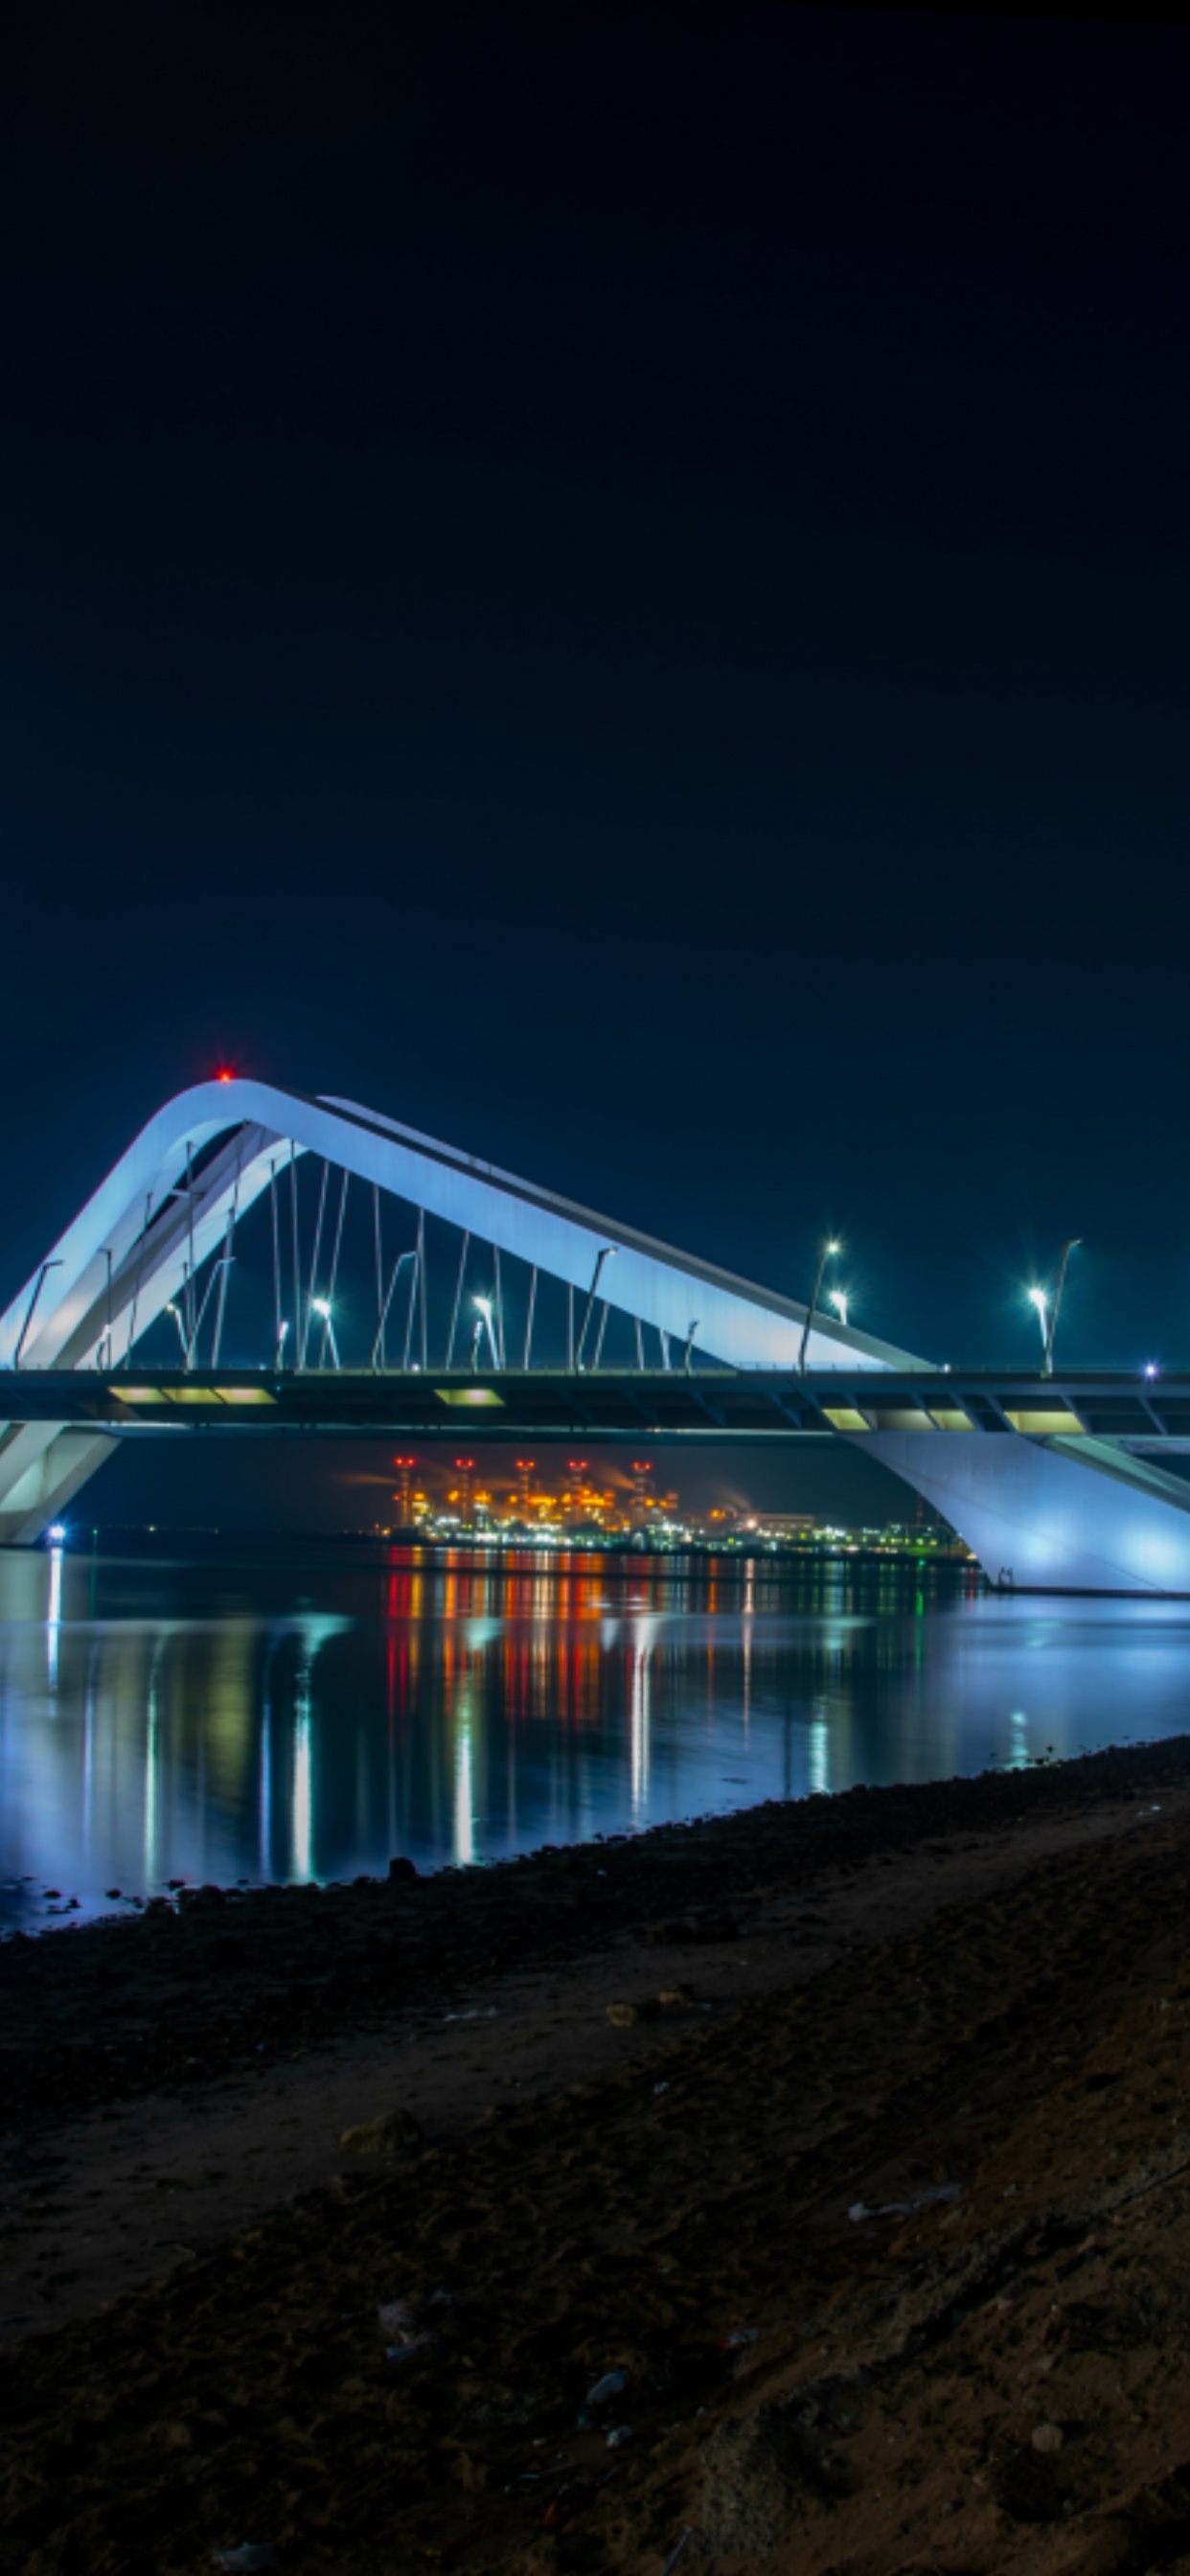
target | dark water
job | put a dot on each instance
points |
(305, 1717)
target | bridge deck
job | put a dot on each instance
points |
(540, 1404)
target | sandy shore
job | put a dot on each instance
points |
(970, 2001)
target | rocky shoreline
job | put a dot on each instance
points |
(92, 2013)
(880, 2232)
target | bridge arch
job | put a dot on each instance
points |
(1061, 1513)
(164, 1219)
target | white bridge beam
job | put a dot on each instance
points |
(128, 1253)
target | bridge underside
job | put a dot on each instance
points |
(1062, 1510)
(1054, 1486)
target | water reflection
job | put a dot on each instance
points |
(53, 1618)
(820, 1757)
(464, 1842)
(298, 1719)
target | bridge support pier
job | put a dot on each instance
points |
(42, 1465)
(1062, 1515)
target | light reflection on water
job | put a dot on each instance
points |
(302, 1717)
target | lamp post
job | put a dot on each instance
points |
(485, 1310)
(42, 1276)
(1047, 1315)
(106, 1343)
(607, 1253)
(1040, 1304)
(829, 1252)
(398, 1266)
(321, 1306)
(1047, 1365)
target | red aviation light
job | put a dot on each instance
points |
(225, 1074)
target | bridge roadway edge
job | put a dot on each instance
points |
(1060, 1514)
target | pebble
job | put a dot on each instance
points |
(418, 2347)
(395, 2319)
(395, 2133)
(612, 2384)
(1047, 2437)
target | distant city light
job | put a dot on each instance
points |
(1150, 1368)
(56, 1533)
(321, 1307)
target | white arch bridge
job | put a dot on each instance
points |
(492, 1308)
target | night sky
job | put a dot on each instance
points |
(613, 582)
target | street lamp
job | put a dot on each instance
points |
(171, 1309)
(398, 1266)
(485, 1312)
(282, 1335)
(1040, 1303)
(42, 1276)
(837, 1297)
(1047, 1318)
(1047, 1366)
(607, 1252)
(321, 1306)
(829, 1252)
